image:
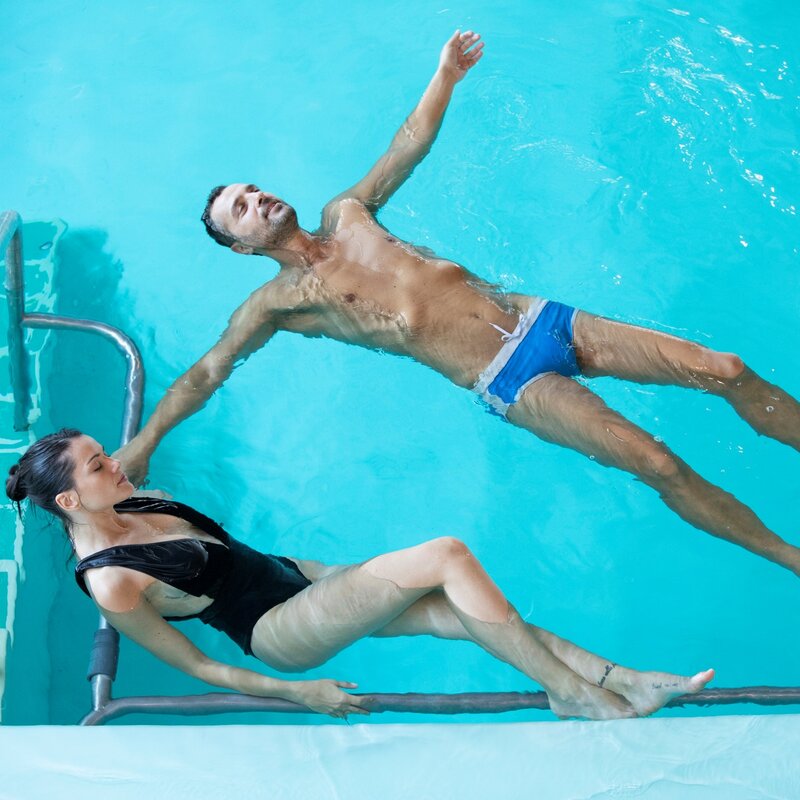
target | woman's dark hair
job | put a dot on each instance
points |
(43, 472)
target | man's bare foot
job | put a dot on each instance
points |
(589, 702)
(649, 691)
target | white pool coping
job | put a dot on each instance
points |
(730, 758)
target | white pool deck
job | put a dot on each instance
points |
(730, 758)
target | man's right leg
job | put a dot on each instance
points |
(559, 410)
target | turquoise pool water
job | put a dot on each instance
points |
(639, 160)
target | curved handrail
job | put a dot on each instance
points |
(134, 379)
(11, 244)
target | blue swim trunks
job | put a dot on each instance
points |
(540, 344)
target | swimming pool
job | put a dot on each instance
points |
(635, 159)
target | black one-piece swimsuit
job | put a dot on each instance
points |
(243, 583)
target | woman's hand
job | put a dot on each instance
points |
(460, 54)
(327, 697)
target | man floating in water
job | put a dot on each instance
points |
(353, 281)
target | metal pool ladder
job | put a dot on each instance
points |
(106, 642)
(105, 649)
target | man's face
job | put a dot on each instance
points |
(254, 218)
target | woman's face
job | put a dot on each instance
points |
(99, 479)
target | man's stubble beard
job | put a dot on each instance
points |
(281, 232)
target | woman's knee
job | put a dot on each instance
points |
(448, 548)
(444, 554)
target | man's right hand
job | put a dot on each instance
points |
(135, 461)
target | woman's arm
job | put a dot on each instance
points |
(119, 597)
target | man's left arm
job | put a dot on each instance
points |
(416, 136)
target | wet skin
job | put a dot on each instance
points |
(353, 281)
(364, 286)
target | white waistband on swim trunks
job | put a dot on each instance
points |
(510, 343)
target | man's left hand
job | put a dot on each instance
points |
(460, 54)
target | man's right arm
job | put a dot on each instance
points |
(250, 327)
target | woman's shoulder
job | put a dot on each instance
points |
(117, 588)
(155, 503)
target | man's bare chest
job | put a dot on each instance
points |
(370, 283)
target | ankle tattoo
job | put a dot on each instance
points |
(602, 680)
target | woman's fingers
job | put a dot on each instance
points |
(351, 708)
(345, 703)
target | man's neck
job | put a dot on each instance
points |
(301, 250)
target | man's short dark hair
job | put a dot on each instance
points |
(218, 234)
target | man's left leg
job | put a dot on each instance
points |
(606, 347)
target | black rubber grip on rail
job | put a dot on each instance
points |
(105, 654)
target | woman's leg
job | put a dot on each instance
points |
(342, 605)
(646, 691)
(356, 601)
(494, 624)
(314, 570)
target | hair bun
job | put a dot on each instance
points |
(14, 488)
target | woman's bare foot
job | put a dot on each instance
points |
(581, 699)
(649, 691)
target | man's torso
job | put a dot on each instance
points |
(377, 291)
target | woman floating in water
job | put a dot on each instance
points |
(145, 560)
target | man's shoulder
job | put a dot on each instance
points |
(338, 209)
(268, 297)
(272, 300)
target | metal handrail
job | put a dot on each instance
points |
(11, 243)
(414, 703)
(105, 650)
